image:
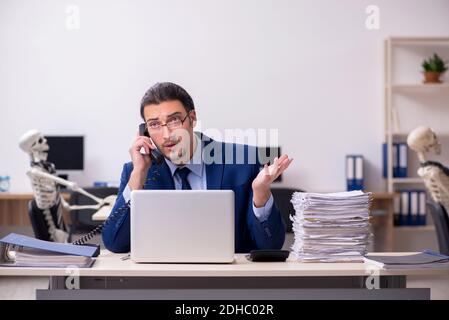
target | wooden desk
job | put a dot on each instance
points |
(14, 208)
(112, 278)
(382, 221)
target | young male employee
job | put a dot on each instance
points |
(169, 114)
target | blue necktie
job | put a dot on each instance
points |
(183, 173)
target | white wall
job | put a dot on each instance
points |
(309, 68)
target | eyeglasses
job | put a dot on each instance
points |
(172, 123)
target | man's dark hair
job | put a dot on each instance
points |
(166, 91)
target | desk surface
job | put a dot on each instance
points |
(111, 265)
(26, 196)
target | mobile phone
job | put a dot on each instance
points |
(262, 255)
(155, 154)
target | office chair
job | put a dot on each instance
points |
(43, 223)
(441, 221)
(81, 220)
(282, 197)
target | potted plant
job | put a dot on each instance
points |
(433, 67)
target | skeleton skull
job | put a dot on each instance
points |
(422, 140)
(34, 143)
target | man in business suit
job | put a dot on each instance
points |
(195, 161)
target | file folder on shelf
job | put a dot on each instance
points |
(385, 160)
(405, 208)
(354, 172)
(413, 217)
(400, 160)
(422, 208)
(410, 208)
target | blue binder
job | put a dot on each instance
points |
(405, 208)
(395, 149)
(422, 208)
(414, 207)
(402, 160)
(354, 172)
(70, 249)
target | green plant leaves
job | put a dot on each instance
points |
(434, 64)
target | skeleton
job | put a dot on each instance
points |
(46, 190)
(434, 174)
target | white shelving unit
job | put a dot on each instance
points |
(407, 81)
(420, 87)
(392, 88)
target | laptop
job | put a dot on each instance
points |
(182, 226)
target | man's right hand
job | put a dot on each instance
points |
(141, 162)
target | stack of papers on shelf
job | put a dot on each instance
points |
(426, 259)
(332, 227)
(22, 251)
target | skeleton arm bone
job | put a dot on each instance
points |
(71, 185)
(69, 207)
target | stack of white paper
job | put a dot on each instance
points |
(332, 227)
(29, 257)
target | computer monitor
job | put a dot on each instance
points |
(66, 152)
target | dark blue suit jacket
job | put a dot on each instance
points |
(250, 233)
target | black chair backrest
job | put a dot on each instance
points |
(82, 219)
(282, 197)
(38, 222)
(441, 221)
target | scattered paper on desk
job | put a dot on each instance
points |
(332, 227)
(427, 260)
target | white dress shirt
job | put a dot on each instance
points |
(198, 181)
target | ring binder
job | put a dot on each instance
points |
(22, 251)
